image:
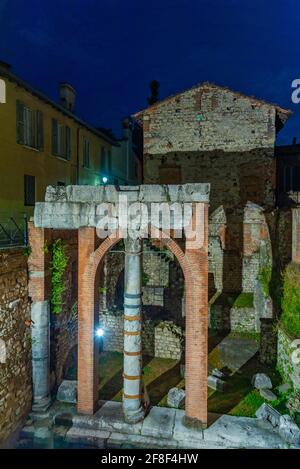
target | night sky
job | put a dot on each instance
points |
(110, 50)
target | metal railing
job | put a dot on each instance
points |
(13, 230)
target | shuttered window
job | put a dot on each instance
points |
(61, 140)
(109, 160)
(103, 163)
(29, 190)
(30, 129)
(86, 153)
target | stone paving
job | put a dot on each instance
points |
(162, 428)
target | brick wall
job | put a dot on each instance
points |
(15, 373)
(63, 333)
(210, 134)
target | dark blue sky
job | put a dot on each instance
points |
(110, 50)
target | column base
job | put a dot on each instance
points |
(41, 406)
(194, 423)
(133, 416)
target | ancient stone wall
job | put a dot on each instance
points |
(15, 338)
(210, 134)
(243, 320)
(288, 367)
(160, 339)
(213, 135)
(168, 340)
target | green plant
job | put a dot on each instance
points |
(264, 277)
(102, 290)
(249, 405)
(290, 302)
(145, 279)
(27, 251)
(244, 300)
(58, 266)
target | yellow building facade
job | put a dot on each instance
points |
(43, 143)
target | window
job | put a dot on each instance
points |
(61, 140)
(109, 160)
(103, 159)
(29, 190)
(86, 153)
(30, 129)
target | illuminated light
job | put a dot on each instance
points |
(104, 179)
(99, 332)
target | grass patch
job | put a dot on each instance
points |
(244, 300)
(290, 303)
(253, 400)
(249, 405)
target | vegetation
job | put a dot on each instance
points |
(27, 251)
(249, 405)
(145, 279)
(244, 300)
(290, 302)
(264, 277)
(253, 400)
(58, 266)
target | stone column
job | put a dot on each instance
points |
(132, 408)
(39, 291)
(40, 334)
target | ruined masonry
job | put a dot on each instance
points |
(76, 208)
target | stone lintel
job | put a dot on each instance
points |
(73, 207)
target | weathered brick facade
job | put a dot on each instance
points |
(15, 368)
(212, 134)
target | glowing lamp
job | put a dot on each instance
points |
(99, 332)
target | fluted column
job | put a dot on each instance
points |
(132, 407)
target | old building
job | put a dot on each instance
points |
(43, 142)
(213, 134)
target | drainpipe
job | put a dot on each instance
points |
(78, 158)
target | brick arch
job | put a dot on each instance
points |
(88, 316)
(194, 266)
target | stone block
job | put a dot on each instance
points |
(261, 381)
(268, 414)
(268, 394)
(67, 392)
(176, 398)
(289, 430)
(216, 383)
(159, 422)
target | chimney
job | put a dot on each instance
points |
(67, 96)
(126, 124)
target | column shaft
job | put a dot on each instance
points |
(133, 410)
(39, 291)
(196, 335)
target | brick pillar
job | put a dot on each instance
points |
(88, 354)
(39, 291)
(196, 329)
(296, 235)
